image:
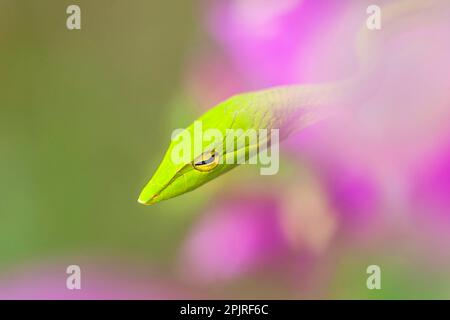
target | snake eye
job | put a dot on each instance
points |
(206, 161)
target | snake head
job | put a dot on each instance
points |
(194, 158)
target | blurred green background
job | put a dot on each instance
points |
(83, 125)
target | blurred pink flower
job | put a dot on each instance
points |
(99, 280)
(430, 194)
(272, 42)
(234, 238)
(374, 166)
(259, 229)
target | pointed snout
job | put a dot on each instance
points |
(150, 194)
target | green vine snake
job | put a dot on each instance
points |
(288, 108)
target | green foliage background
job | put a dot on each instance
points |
(83, 123)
